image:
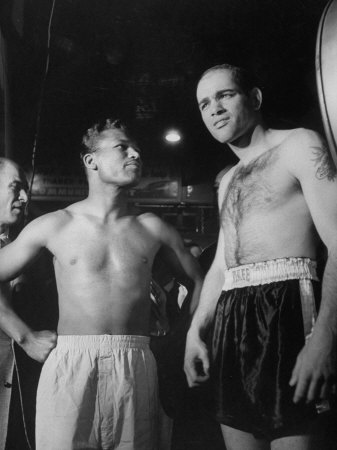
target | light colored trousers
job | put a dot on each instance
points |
(98, 392)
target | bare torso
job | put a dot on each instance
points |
(263, 214)
(103, 273)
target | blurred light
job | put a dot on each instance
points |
(173, 136)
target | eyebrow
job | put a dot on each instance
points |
(15, 183)
(19, 183)
(120, 142)
(221, 91)
(204, 100)
(128, 143)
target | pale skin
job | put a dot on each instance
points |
(276, 202)
(103, 255)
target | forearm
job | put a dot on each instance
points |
(209, 296)
(327, 317)
(194, 273)
(10, 322)
(196, 295)
(315, 366)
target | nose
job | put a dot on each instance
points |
(23, 197)
(133, 153)
(217, 108)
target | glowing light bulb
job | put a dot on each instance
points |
(172, 136)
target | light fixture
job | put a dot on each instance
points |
(173, 136)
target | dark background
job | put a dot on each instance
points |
(139, 60)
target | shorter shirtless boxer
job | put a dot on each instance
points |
(98, 387)
(268, 368)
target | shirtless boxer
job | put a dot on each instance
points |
(258, 296)
(98, 387)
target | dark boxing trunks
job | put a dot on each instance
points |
(262, 318)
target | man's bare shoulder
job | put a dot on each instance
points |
(298, 145)
(81, 207)
(57, 218)
(49, 223)
(150, 220)
(224, 182)
(305, 152)
(228, 175)
(158, 228)
(41, 230)
(303, 137)
(300, 140)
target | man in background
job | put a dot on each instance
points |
(13, 198)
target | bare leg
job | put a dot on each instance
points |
(239, 440)
(294, 443)
(323, 438)
(165, 430)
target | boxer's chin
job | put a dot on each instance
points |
(134, 181)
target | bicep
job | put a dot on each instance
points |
(214, 279)
(172, 240)
(317, 175)
(169, 237)
(16, 255)
(215, 274)
(219, 258)
(322, 203)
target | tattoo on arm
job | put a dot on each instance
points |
(324, 163)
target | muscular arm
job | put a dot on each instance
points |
(196, 355)
(13, 258)
(171, 239)
(315, 368)
(37, 344)
(18, 254)
(10, 323)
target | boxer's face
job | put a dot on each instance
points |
(226, 110)
(13, 194)
(118, 158)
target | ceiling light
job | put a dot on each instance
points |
(172, 136)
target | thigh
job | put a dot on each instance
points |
(318, 434)
(135, 410)
(66, 405)
(239, 440)
(294, 443)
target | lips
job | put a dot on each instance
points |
(17, 206)
(133, 164)
(221, 123)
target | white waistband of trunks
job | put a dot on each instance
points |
(102, 341)
(270, 271)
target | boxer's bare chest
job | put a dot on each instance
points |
(108, 248)
(254, 188)
(257, 201)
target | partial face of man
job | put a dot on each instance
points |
(13, 194)
(118, 159)
(226, 110)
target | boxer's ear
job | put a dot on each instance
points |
(256, 98)
(89, 161)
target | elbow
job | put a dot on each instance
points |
(331, 246)
(198, 280)
(5, 279)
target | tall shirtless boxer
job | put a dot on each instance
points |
(98, 387)
(270, 367)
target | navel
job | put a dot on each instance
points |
(145, 260)
(73, 261)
